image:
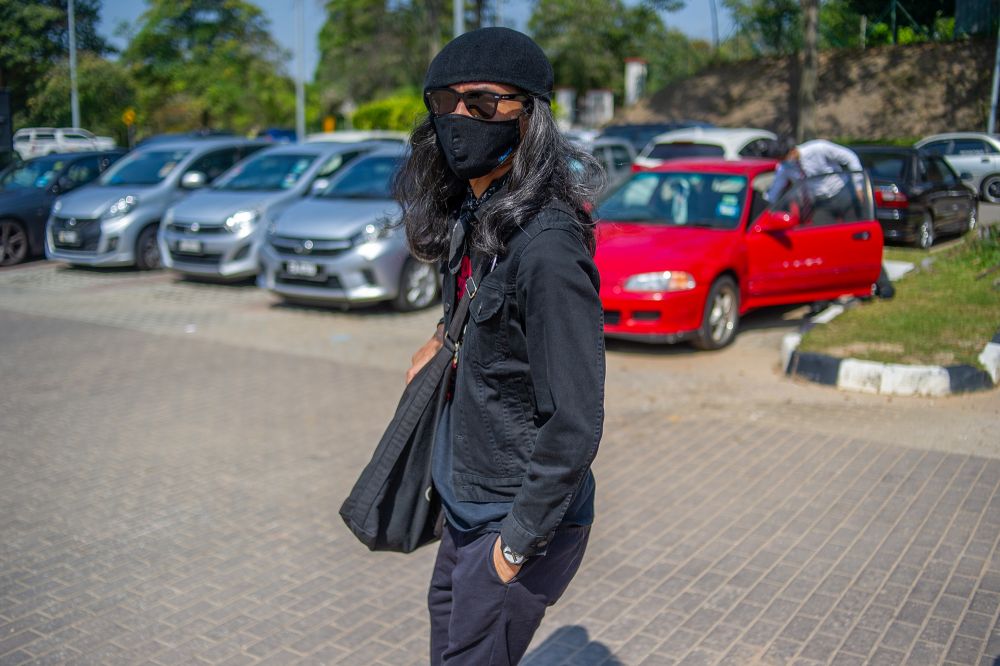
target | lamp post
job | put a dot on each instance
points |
(74, 99)
(300, 56)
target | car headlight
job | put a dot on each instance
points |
(372, 232)
(122, 206)
(241, 221)
(660, 281)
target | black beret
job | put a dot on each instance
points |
(497, 55)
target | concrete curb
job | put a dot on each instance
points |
(852, 374)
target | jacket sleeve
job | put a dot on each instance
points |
(557, 294)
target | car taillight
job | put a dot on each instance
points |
(889, 196)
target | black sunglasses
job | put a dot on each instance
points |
(481, 104)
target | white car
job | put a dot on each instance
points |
(974, 155)
(728, 143)
(39, 141)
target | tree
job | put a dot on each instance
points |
(771, 26)
(208, 63)
(105, 89)
(34, 36)
(806, 126)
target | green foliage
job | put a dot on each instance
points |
(33, 37)
(105, 90)
(588, 41)
(770, 26)
(399, 112)
(208, 63)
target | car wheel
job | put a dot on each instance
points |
(925, 232)
(147, 251)
(418, 286)
(13, 243)
(722, 315)
(991, 188)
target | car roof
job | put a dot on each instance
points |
(719, 135)
(80, 153)
(958, 135)
(902, 150)
(386, 150)
(318, 148)
(205, 144)
(750, 166)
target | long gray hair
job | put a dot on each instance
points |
(546, 166)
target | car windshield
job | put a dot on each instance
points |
(267, 172)
(890, 166)
(673, 151)
(369, 178)
(36, 174)
(144, 167)
(678, 199)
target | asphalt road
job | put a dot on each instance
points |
(172, 456)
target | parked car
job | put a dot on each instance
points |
(187, 136)
(640, 134)
(974, 155)
(684, 250)
(731, 144)
(343, 246)
(217, 231)
(114, 221)
(355, 136)
(918, 197)
(614, 155)
(38, 141)
(8, 159)
(28, 191)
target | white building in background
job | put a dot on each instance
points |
(635, 80)
(598, 107)
(566, 102)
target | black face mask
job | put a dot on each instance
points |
(474, 147)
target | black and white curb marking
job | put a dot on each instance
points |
(852, 374)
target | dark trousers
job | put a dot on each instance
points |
(478, 620)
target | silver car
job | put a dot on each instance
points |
(217, 232)
(343, 246)
(974, 155)
(114, 221)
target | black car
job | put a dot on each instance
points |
(28, 191)
(918, 196)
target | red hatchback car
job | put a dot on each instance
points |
(686, 248)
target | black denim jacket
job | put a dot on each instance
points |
(529, 392)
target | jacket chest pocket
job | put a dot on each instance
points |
(485, 341)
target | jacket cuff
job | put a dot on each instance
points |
(520, 540)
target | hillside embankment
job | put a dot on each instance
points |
(880, 93)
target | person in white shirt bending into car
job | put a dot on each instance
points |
(828, 198)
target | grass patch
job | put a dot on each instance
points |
(941, 315)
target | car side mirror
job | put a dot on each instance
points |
(194, 180)
(319, 185)
(965, 175)
(776, 220)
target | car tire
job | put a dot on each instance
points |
(13, 242)
(990, 188)
(925, 232)
(147, 250)
(418, 286)
(721, 317)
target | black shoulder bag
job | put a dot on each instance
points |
(393, 505)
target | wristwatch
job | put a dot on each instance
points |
(515, 559)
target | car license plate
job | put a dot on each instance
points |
(302, 269)
(68, 236)
(189, 246)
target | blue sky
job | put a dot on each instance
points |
(694, 20)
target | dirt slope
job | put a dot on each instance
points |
(884, 92)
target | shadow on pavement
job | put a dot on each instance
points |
(572, 641)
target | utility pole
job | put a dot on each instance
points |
(864, 31)
(992, 123)
(458, 17)
(715, 25)
(300, 56)
(74, 98)
(806, 126)
(892, 22)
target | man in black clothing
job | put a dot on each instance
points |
(492, 189)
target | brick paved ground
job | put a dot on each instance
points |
(170, 498)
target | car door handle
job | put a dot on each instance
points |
(862, 235)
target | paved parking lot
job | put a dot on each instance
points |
(173, 456)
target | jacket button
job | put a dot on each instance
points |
(447, 307)
(543, 543)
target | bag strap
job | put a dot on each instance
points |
(453, 336)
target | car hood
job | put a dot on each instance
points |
(213, 206)
(625, 249)
(91, 202)
(14, 199)
(331, 219)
